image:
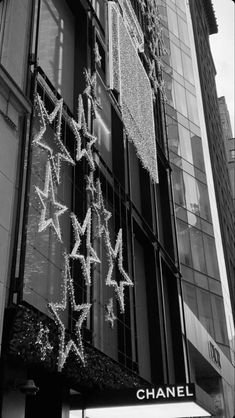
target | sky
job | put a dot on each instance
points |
(222, 47)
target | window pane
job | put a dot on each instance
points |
(197, 152)
(197, 250)
(192, 107)
(204, 204)
(219, 319)
(176, 61)
(56, 46)
(211, 256)
(189, 294)
(180, 99)
(183, 31)
(191, 193)
(205, 311)
(185, 144)
(187, 67)
(178, 186)
(172, 21)
(184, 243)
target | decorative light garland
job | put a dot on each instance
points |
(80, 128)
(47, 197)
(42, 341)
(91, 256)
(113, 255)
(109, 315)
(55, 308)
(45, 120)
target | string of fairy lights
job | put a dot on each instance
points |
(52, 210)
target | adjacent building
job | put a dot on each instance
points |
(113, 283)
(229, 141)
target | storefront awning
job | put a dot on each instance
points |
(165, 401)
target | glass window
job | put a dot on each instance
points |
(172, 21)
(192, 107)
(176, 60)
(221, 335)
(197, 152)
(102, 124)
(183, 31)
(181, 4)
(14, 39)
(173, 136)
(43, 261)
(201, 280)
(211, 256)
(187, 67)
(184, 243)
(180, 99)
(178, 186)
(204, 310)
(197, 250)
(191, 193)
(189, 294)
(56, 46)
(203, 201)
(187, 274)
(185, 144)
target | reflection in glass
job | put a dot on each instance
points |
(211, 257)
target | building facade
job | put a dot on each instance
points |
(110, 277)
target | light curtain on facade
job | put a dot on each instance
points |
(128, 77)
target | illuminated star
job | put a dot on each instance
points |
(90, 92)
(116, 255)
(43, 341)
(109, 316)
(98, 57)
(91, 256)
(80, 131)
(46, 119)
(75, 344)
(103, 215)
(47, 198)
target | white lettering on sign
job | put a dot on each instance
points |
(166, 392)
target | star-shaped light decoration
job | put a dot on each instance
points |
(98, 57)
(103, 215)
(61, 154)
(43, 341)
(116, 255)
(80, 131)
(109, 315)
(52, 209)
(91, 256)
(75, 343)
(90, 92)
